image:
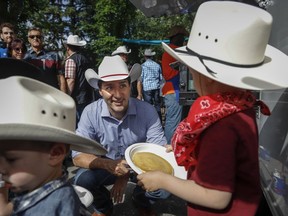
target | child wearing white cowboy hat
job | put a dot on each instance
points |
(37, 127)
(218, 142)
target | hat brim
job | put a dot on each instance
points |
(13, 67)
(272, 74)
(50, 134)
(80, 43)
(92, 77)
(120, 52)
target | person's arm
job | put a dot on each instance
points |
(70, 74)
(90, 161)
(139, 90)
(167, 71)
(5, 206)
(185, 189)
(62, 83)
(70, 85)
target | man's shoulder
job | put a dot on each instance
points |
(80, 58)
(142, 105)
(3, 52)
(95, 105)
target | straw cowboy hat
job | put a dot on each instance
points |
(148, 52)
(36, 111)
(121, 49)
(74, 40)
(232, 47)
(112, 68)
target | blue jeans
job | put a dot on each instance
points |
(153, 97)
(95, 181)
(173, 115)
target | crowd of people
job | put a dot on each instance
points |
(222, 171)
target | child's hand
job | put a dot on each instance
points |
(151, 181)
(168, 148)
(5, 206)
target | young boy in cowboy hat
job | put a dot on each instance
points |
(218, 142)
(37, 125)
(116, 121)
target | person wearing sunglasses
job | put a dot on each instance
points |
(48, 61)
(17, 49)
(7, 35)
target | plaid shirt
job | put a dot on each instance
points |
(34, 203)
(70, 68)
(151, 75)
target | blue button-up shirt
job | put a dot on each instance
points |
(140, 124)
(151, 75)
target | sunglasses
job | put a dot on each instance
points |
(35, 36)
(6, 33)
(19, 49)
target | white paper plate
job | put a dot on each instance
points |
(179, 171)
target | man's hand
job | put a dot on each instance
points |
(117, 167)
(119, 188)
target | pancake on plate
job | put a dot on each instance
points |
(147, 161)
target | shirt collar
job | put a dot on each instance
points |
(131, 109)
(32, 52)
(23, 202)
(70, 55)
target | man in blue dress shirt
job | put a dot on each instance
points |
(116, 121)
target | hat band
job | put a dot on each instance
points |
(202, 58)
(114, 75)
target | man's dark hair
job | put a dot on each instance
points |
(74, 48)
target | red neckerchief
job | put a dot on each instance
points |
(205, 111)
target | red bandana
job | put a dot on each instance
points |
(205, 111)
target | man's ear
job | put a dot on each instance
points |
(100, 92)
(58, 152)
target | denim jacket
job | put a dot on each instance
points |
(56, 198)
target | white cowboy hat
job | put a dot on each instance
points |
(75, 41)
(148, 52)
(36, 111)
(121, 49)
(112, 68)
(232, 47)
